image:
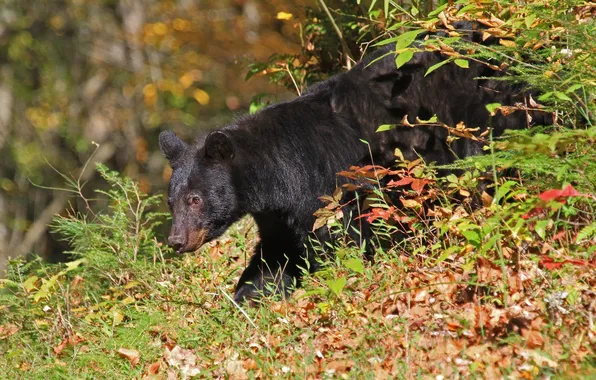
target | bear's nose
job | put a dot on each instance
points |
(177, 242)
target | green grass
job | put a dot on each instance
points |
(398, 318)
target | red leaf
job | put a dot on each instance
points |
(532, 213)
(418, 185)
(567, 192)
(549, 264)
(559, 235)
(377, 213)
(401, 182)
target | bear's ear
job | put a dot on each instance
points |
(218, 145)
(171, 145)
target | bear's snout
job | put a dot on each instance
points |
(177, 242)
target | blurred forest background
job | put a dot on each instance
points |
(76, 73)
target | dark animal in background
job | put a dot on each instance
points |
(275, 164)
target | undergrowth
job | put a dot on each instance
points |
(479, 283)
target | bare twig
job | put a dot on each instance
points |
(344, 45)
(238, 307)
(39, 226)
(293, 80)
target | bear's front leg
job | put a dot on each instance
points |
(265, 276)
(275, 266)
(270, 271)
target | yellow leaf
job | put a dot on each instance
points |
(201, 96)
(410, 203)
(181, 25)
(149, 90)
(118, 317)
(128, 300)
(29, 284)
(507, 43)
(284, 16)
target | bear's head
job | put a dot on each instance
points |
(201, 193)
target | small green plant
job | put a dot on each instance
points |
(120, 236)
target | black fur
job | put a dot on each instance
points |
(275, 164)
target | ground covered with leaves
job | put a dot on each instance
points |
(474, 285)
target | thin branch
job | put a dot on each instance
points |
(293, 80)
(238, 307)
(40, 225)
(344, 45)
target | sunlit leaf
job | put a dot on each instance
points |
(386, 127)
(436, 66)
(540, 228)
(463, 63)
(337, 285)
(562, 96)
(403, 58)
(405, 39)
(492, 108)
(355, 264)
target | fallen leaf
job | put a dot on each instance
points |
(533, 338)
(183, 359)
(550, 264)
(340, 365)
(153, 369)
(487, 199)
(250, 364)
(131, 355)
(235, 369)
(7, 330)
(59, 348)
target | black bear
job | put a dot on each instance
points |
(275, 164)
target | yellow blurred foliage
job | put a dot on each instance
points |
(284, 16)
(150, 94)
(187, 80)
(201, 96)
(182, 25)
(42, 118)
(160, 28)
(57, 22)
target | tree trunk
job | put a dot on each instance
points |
(5, 122)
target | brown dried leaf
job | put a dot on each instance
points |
(7, 330)
(59, 348)
(533, 338)
(183, 359)
(340, 365)
(132, 356)
(250, 364)
(410, 203)
(487, 199)
(153, 369)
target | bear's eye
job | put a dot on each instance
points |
(195, 200)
